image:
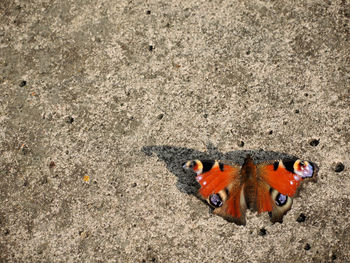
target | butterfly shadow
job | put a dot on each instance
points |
(174, 157)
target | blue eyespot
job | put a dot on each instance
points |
(215, 200)
(281, 199)
(304, 169)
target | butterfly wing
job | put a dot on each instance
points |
(280, 181)
(221, 188)
(266, 187)
(286, 176)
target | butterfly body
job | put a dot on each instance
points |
(264, 187)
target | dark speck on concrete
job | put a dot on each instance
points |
(160, 116)
(339, 167)
(24, 149)
(314, 142)
(307, 246)
(148, 12)
(271, 132)
(333, 257)
(262, 232)
(301, 218)
(240, 143)
(150, 48)
(52, 164)
(296, 111)
(23, 83)
(69, 119)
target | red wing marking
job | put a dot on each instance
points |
(234, 203)
(215, 180)
(263, 199)
(281, 179)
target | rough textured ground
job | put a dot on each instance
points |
(101, 101)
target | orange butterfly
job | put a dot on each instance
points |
(265, 187)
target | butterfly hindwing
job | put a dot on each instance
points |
(281, 204)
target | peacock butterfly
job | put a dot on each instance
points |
(263, 187)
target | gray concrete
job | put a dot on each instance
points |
(119, 96)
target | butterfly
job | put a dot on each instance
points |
(264, 187)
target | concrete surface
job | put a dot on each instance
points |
(102, 100)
